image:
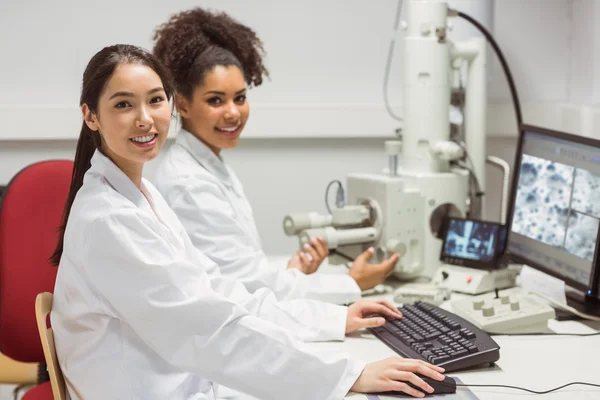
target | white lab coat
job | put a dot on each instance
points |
(139, 313)
(210, 202)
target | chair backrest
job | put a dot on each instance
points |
(30, 216)
(43, 306)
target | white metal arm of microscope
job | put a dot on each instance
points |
(413, 196)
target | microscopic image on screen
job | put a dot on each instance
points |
(470, 240)
(542, 201)
(586, 188)
(581, 235)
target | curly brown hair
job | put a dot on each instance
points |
(193, 42)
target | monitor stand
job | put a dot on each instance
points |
(581, 302)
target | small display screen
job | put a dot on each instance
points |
(473, 243)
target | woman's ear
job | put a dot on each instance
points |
(183, 105)
(90, 118)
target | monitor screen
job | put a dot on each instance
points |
(472, 243)
(555, 207)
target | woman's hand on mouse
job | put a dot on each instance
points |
(360, 314)
(392, 374)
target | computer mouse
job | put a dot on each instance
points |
(447, 386)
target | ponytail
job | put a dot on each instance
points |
(95, 78)
(87, 144)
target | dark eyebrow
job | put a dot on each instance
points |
(129, 94)
(223, 93)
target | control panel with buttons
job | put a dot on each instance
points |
(512, 311)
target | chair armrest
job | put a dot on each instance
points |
(16, 372)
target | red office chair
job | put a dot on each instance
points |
(30, 214)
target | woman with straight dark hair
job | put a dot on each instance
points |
(139, 313)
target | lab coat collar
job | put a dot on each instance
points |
(120, 182)
(205, 156)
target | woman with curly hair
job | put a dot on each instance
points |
(213, 60)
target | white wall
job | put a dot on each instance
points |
(326, 59)
(554, 57)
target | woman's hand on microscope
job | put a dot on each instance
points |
(309, 263)
(367, 275)
(369, 314)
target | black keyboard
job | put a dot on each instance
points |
(439, 337)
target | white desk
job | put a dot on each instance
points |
(534, 362)
(537, 363)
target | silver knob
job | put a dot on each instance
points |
(395, 246)
(477, 304)
(515, 306)
(488, 311)
(504, 299)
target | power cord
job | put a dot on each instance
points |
(542, 334)
(529, 390)
(471, 168)
(473, 180)
(388, 66)
(509, 77)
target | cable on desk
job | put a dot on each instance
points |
(529, 390)
(542, 334)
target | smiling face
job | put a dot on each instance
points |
(218, 110)
(133, 116)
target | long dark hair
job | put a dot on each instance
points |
(95, 78)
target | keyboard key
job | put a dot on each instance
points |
(418, 338)
(444, 340)
(439, 359)
(459, 353)
(466, 333)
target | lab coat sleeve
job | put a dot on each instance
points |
(147, 283)
(214, 229)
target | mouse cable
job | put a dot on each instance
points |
(542, 334)
(529, 390)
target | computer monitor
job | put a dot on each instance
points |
(554, 214)
(472, 243)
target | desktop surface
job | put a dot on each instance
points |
(532, 362)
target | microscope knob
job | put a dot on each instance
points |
(515, 306)
(304, 238)
(488, 311)
(478, 304)
(288, 225)
(393, 147)
(395, 246)
(504, 300)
